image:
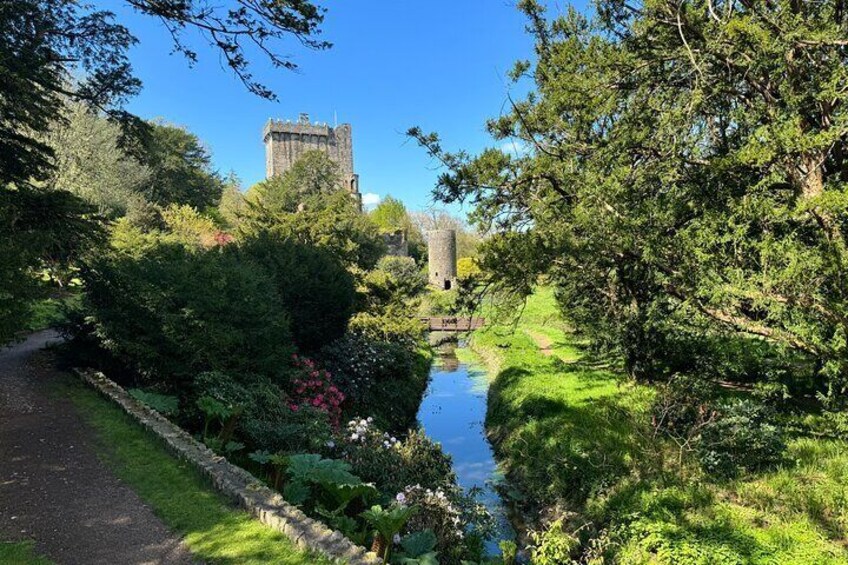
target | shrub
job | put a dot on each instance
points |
(458, 521)
(266, 421)
(553, 545)
(172, 313)
(395, 324)
(303, 431)
(313, 285)
(468, 268)
(681, 405)
(727, 438)
(440, 303)
(391, 463)
(379, 378)
(314, 387)
(742, 438)
(396, 280)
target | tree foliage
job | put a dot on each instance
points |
(312, 175)
(312, 283)
(391, 216)
(686, 173)
(306, 204)
(232, 204)
(90, 162)
(181, 168)
(57, 51)
(172, 312)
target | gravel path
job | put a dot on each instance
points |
(53, 488)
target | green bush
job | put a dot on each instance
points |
(172, 313)
(395, 324)
(382, 379)
(681, 404)
(553, 545)
(303, 431)
(313, 285)
(265, 422)
(396, 280)
(459, 522)
(741, 439)
(390, 463)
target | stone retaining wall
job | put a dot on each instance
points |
(235, 483)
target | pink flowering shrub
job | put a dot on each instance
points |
(315, 388)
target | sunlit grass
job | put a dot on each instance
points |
(213, 530)
(571, 430)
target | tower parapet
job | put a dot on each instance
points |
(286, 141)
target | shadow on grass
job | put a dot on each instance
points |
(555, 447)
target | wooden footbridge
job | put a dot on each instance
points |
(447, 324)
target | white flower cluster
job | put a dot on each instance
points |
(434, 501)
(361, 431)
(359, 428)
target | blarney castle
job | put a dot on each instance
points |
(285, 142)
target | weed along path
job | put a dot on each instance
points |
(53, 487)
(453, 413)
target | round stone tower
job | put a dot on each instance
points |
(441, 254)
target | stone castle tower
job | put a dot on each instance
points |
(286, 141)
(441, 253)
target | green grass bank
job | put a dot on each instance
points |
(574, 437)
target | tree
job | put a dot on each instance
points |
(329, 221)
(313, 285)
(313, 174)
(232, 205)
(90, 162)
(54, 51)
(391, 216)
(686, 174)
(308, 205)
(181, 168)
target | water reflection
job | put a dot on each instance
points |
(453, 413)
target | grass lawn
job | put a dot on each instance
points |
(574, 434)
(20, 553)
(213, 530)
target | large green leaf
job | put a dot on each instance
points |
(418, 543)
(429, 558)
(341, 495)
(296, 492)
(311, 467)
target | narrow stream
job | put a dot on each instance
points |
(453, 413)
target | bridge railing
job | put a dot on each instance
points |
(452, 324)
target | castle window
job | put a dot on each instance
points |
(447, 284)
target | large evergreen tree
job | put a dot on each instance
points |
(686, 173)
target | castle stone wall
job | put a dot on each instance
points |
(441, 253)
(286, 142)
(396, 243)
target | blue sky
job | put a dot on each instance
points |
(439, 64)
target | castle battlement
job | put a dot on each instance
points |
(280, 126)
(286, 141)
